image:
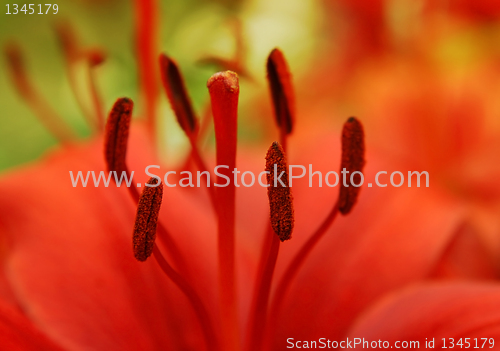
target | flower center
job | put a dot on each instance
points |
(224, 93)
(223, 88)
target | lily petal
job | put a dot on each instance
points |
(17, 333)
(70, 265)
(458, 310)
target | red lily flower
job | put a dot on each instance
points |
(227, 271)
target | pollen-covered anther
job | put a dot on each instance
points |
(279, 193)
(353, 160)
(280, 84)
(177, 94)
(116, 135)
(146, 219)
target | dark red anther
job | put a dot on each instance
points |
(177, 94)
(146, 219)
(116, 135)
(353, 160)
(280, 197)
(280, 85)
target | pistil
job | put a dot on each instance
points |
(224, 92)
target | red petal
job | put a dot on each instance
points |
(70, 262)
(465, 257)
(437, 310)
(18, 333)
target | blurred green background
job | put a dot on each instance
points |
(189, 31)
(348, 53)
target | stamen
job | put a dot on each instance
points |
(177, 94)
(224, 92)
(116, 135)
(280, 85)
(280, 197)
(282, 222)
(181, 104)
(115, 145)
(353, 160)
(46, 115)
(146, 219)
